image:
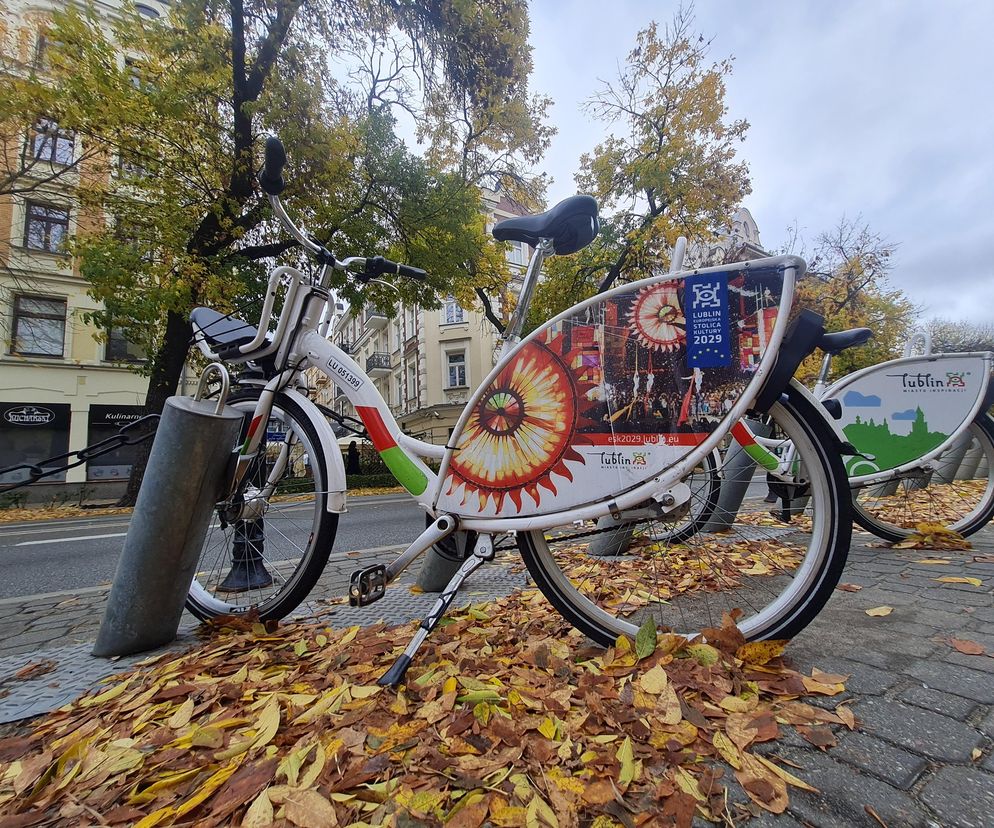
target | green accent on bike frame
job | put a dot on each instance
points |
(744, 437)
(408, 475)
(763, 457)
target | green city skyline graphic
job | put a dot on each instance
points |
(890, 449)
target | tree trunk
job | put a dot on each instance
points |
(168, 367)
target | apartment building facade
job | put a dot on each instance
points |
(426, 362)
(63, 384)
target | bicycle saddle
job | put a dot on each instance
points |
(219, 329)
(571, 224)
(836, 343)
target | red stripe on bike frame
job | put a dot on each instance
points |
(742, 435)
(377, 429)
(254, 426)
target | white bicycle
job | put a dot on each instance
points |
(609, 409)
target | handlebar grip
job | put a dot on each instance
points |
(377, 266)
(271, 175)
(412, 272)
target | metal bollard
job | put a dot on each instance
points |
(187, 470)
(948, 463)
(971, 462)
(738, 470)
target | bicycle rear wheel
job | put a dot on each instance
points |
(777, 571)
(270, 562)
(958, 494)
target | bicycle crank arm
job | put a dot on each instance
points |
(483, 552)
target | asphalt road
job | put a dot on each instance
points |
(57, 555)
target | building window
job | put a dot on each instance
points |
(49, 143)
(456, 363)
(32, 433)
(452, 314)
(119, 349)
(39, 326)
(412, 382)
(45, 227)
(517, 253)
(146, 11)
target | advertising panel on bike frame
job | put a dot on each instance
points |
(609, 395)
(907, 409)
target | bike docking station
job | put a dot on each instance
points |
(188, 467)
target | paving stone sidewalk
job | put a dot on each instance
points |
(923, 754)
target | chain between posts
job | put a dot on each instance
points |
(126, 436)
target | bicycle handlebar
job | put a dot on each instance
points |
(271, 174)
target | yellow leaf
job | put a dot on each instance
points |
(548, 728)
(268, 724)
(365, 691)
(349, 635)
(322, 706)
(688, 784)
(703, 654)
(760, 652)
(933, 561)
(976, 753)
(626, 757)
(450, 684)
(209, 737)
(877, 612)
(654, 681)
(312, 773)
(166, 781)
(181, 718)
(726, 747)
(106, 696)
(260, 812)
(215, 781)
(155, 817)
(955, 579)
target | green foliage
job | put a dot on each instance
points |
(171, 216)
(667, 169)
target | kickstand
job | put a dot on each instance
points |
(483, 551)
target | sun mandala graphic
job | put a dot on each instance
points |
(657, 318)
(520, 431)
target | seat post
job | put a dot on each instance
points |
(822, 382)
(512, 335)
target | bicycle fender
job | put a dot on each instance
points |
(830, 421)
(329, 448)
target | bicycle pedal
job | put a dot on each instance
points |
(367, 585)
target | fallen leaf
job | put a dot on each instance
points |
(958, 579)
(849, 587)
(967, 647)
(877, 612)
(934, 561)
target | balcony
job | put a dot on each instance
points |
(378, 364)
(374, 319)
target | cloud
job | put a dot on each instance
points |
(856, 400)
(910, 414)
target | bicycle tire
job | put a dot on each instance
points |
(590, 601)
(964, 506)
(297, 535)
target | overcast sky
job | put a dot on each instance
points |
(873, 108)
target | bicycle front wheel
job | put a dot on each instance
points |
(268, 559)
(771, 567)
(957, 494)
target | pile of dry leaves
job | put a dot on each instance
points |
(508, 719)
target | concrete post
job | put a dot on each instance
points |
(186, 473)
(738, 468)
(971, 461)
(948, 462)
